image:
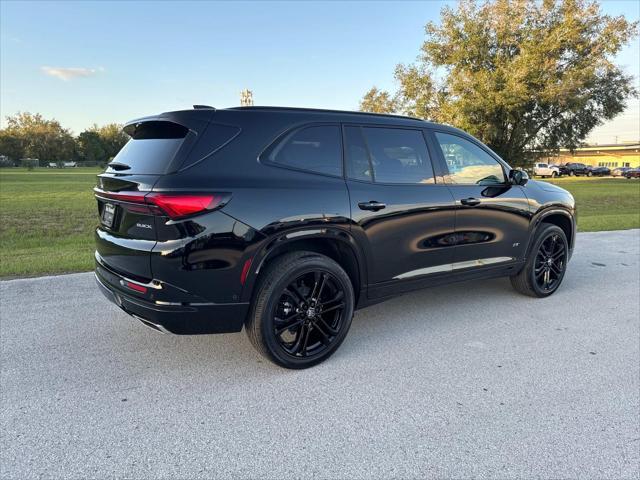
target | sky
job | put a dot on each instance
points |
(100, 62)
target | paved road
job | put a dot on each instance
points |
(470, 380)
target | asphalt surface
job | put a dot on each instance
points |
(469, 380)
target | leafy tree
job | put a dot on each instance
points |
(377, 101)
(521, 75)
(112, 137)
(90, 147)
(33, 136)
(11, 145)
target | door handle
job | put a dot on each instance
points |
(372, 205)
(470, 202)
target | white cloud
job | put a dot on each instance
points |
(68, 73)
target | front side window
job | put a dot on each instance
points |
(387, 155)
(315, 149)
(468, 164)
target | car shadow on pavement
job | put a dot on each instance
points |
(380, 326)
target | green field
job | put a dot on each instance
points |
(604, 203)
(47, 217)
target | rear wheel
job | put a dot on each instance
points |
(571, 173)
(589, 173)
(546, 265)
(554, 174)
(302, 310)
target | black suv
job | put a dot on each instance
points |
(576, 169)
(286, 220)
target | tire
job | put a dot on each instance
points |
(589, 174)
(532, 278)
(311, 328)
(554, 174)
(571, 173)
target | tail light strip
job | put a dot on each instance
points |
(174, 205)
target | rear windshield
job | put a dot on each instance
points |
(151, 148)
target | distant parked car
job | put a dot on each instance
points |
(70, 164)
(575, 169)
(601, 171)
(632, 173)
(619, 172)
(545, 170)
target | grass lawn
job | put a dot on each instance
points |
(47, 217)
(604, 203)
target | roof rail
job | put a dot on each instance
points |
(301, 109)
(203, 107)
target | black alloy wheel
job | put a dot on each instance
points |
(309, 313)
(550, 263)
(302, 309)
(546, 263)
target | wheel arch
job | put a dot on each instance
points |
(559, 217)
(336, 244)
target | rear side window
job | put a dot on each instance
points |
(387, 155)
(215, 137)
(151, 148)
(315, 149)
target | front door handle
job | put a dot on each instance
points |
(372, 205)
(470, 202)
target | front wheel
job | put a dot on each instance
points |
(554, 174)
(546, 265)
(302, 310)
(571, 173)
(589, 174)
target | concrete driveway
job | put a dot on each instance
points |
(469, 380)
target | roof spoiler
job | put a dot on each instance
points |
(195, 120)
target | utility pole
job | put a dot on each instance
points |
(246, 98)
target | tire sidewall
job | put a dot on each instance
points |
(311, 264)
(541, 237)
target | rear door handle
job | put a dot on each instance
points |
(470, 202)
(372, 205)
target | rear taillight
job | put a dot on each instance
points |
(173, 205)
(178, 206)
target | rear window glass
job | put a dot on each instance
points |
(151, 148)
(315, 149)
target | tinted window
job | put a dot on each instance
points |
(395, 155)
(215, 137)
(468, 163)
(358, 165)
(316, 149)
(151, 148)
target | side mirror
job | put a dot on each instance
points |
(518, 177)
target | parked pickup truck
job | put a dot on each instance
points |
(572, 169)
(545, 170)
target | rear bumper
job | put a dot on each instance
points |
(179, 318)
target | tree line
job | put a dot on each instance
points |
(523, 76)
(30, 135)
